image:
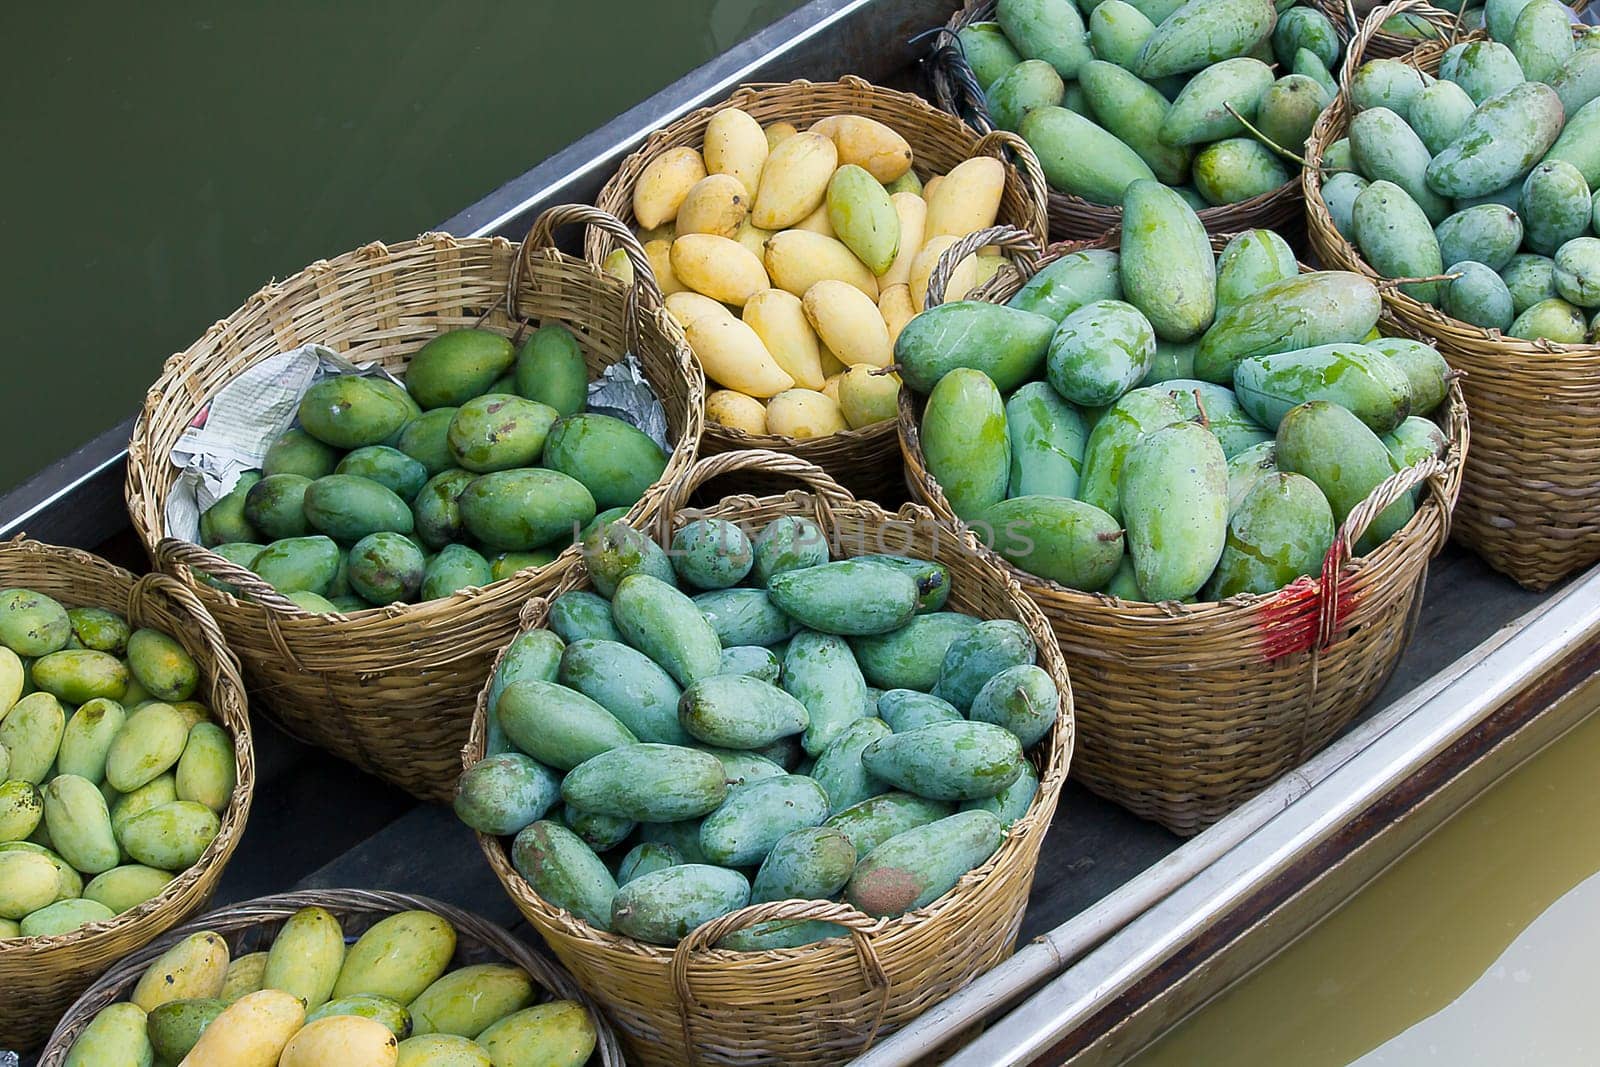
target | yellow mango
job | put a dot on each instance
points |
(968, 199)
(665, 232)
(971, 273)
(798, 259)
(817, 222)
(732, 409)
(342, 1041)
(868, 144)
(733, 355)
(894, 304)
(618, 265)
(659, 253)
(716, 204)
(930, 185)
(778, 132)
(753, 237)
(115, 1037)
(306, 956)
(832, 365)
(558, 1034)
(667, 179)
(849, 322)
(11, 675)
(923, 267)
(688, 306)
(779, 319)
(736, 146)
(442, 1050)
(244, 976)
(804, 414)
(830, 388)
(868, 395)
(197, 966)
(912, 211)
(250, 1032)
(398, 957)
(718, 267)
(794, 181)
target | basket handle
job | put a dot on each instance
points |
(1023, 248)
(1009, 147)
(157, 584)
(861, 927)
(829, 494)
(1362, 32)
(645, 290)
(174, 551)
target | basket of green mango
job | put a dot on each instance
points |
(1110, 91)
(126, 771)
(1482, 184)
(367, 569)
(806, 753)
(1223, 494)
(335, 978)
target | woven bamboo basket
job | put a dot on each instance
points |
(251, 925)
(1188, 710)
(864, 460)
(1530, 504)
(1072, 217)
(822, 1003)
(40, 976)
(1347, 23)
(390, 689)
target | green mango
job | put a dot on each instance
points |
(601, 833)
(790, 542)
(682, 836)
(909, 658)
(1048, 436)
(297, 452)
(225, 521)
(1203, 32)
(1307, 65)
(1117, 33)
(919, 866)
(875, 820)
(645, 858)
(1327, 444)
(579, 614)
(389, 467)
(1058, 539)
(629, 685)
(1133, 111)
(550, 370)
(172, 836)
(77, 675)
(1438, 114)
(1426, 372)
(1555, 206)
(757, 815)
(712, 554)
(1051, 30)
(1500, 17)
(839, 769)
(810, 863)
(1065, 284)
(1168, 270)
(616, 550)
(1479, 296)
(175, 1027)
(988, 51)
(21, 809)
(426, 439)
(1363, 380)
(158, 791)
(207, 771)
(1081, 158)
(1012, 804)
(1577, 279)
(456, 567)
(115, 1037)
(1578, 80)
(436, 511)
(565, 871)
(456, 366)
(740, 712)
(534, 654)
(661, 908)
(1541, 40)
(1386, 83)
(466, 1001)
(1308, 28)
(932, 577)
(348, 508)
(610, 458)
(1289, 108)
(349, 411)
(846, 597)
(906, 709)
(397, 958)
(1553, 320)
(148, 745)
(1529, 279)
(1217, 409)
(648, 783)
(31, 733)
(125, 888)
(1099, 352)
(1281, 530)
(781, 933)
(1339, 193)
(667, 626)
(275, 506)
(745, 617)
(505, 564)
(1386, 149)
(1004, 343)
(1502, 141)
(299, 564)
(1136, 414)
(1175, 507)
(497, 432)
(1485, 69)
(243, 553)
(1487, 233)
(556, 1034)
(557, 726)
(386, 568)
(502, 794)
(28, 882)
(1413, 441)
(521, 510)
(1200, 113)
(822, 675)
(1235, 170)
(100, 630)
(863, 218)
(1397, 239)
(1031, 84)
(382, 1010)
(972, 660)
(1251, 260)
(741, 768)
(1023, 700)
(1157, 11)
(753, 660)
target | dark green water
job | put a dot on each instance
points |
(164, 161)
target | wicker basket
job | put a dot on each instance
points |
(1073, 217)
(251, 925)
(1347, 23)
(863, 461)
(40, 976)
(823, 1003)
(391, 689)
(1530, 505)
(1187, 710)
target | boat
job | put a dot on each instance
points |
(1129, 928)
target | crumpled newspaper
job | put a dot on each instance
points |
(232, 433)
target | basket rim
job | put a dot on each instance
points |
(231, 713)
(1033, 824)
(144, 451)
(1403, 542)
(548, 974)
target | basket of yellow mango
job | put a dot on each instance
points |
(793, 228)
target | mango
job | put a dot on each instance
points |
(988, 51)
(641, 696)
(1313, 309)
(557, 1034)
(557, 726)
(810, 863)
(1438, 114)
(964, 438)
(297, 452)
(331, 1040)
(1541, 39)
(1136, 414)
(1578, 80)
(1099, 352)
(436, 511)
(458, 567)
(175, 1027)
(1203, 32)
(648, 783)
(1334, 449)
(614, 461)
(663, 185)
(63, 917)
(1529, 279)
(348, 411)
(666, 625)
(1305, 27)
(911, 221)
(13, 679)
(31, 733)
(32, 624)
(920, 865)
(1051, 30)
(251, 1032)
(1081, 158)
(225, 520)
(520, 510)
(1485, 69)
(1339, 193)
(645, 858)
(148, 744)
(1248, 468)
(1251, 261)
(1555, 206)
(425, 439)
(868, 144)
(1047, 436)
(1386, 148)
(1281, 530)
(787, 543)
(498, 432)
(115, 1037)
(1386, 83)
(715, 205)
(794, 180)
(1361, 379)
(194, 967)
(1117, 31)
(503, 793)
(21, 809)
(1069, 282)
(1426, 372)
(171, 836)
(909, 658)
(848, 323)
(1030, 84)
(745, 617)
(1057, 538)
(756, 815)
(875, 820)
(1134, 112)
(28, 882)
(207, 771)
(1175, 506)
(1397, 238)
(77, 675)
(80, 824)
(839, 770)
(274, 507)
(740, 712)
(1479, 296)
(1500, 17)
(1235, 170)
(1487, 233)
(973, 659)
(1577, 279)
(386, 568)
(153, 794)
(906, 709)
(1004, 343)
(848, 597)
(389, 467)
(551, 371)
(1200, 112)
(564, 871)
(736, 146)
(1500, 142)
(795, 260)
(1289, 108)
(125, 888)
(862, 216)
(1014, 802)
(1554, 320)
(348, 508)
